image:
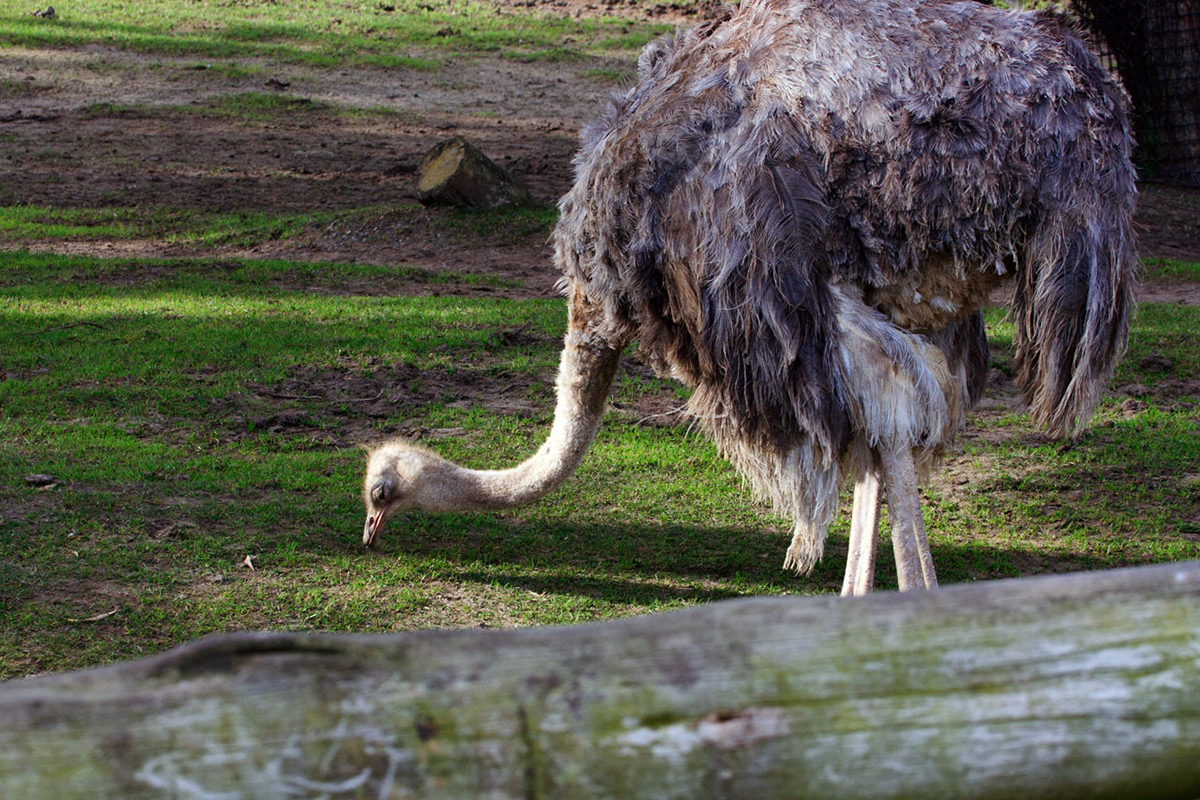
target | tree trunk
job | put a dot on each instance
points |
(1073, 686)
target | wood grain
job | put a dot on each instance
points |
(1085, 685)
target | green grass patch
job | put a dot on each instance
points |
(209, 229)
(1170, 269)
(1163, 348)
(174, 226)
(245, 107)
(319, 33)
(501, 225)
(193, 413)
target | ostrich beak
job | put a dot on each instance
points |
(373, 527)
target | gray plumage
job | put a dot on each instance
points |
(799, 209)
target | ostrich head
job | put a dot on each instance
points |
(396, 471)
(402, 476)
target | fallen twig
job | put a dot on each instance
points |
(41, 481)
(96, 618)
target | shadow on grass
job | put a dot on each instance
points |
(737, 563)
(619, 589)
(125, 392)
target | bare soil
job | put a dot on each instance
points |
(103, 127)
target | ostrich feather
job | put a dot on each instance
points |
(799, 208)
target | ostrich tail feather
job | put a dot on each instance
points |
(1072, 310)
(1077, 274)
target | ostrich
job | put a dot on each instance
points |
(798, 210)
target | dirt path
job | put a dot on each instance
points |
(103, 127)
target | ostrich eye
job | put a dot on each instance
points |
(381, 492)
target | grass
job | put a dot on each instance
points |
(413, 34)
(159, 429)
(1169, 269)
(169, 225)
(210, 229)
(245, 107)
(506, 226)
(193, 413)
(199, 417)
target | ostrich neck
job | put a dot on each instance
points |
(585, 373)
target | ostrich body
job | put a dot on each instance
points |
(799, 210)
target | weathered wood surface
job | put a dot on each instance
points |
(1075, 686)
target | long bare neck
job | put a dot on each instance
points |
(585, 373)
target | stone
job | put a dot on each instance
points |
(456, 173)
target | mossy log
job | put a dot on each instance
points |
(1071, 686)
(456, 173)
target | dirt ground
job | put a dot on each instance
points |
(102, 127)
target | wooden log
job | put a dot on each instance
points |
(456, 173)
(1073, 686)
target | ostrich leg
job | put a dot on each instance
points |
(864, 526)
(914, 562)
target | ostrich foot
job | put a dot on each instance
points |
(914, 562)
(860, 562)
